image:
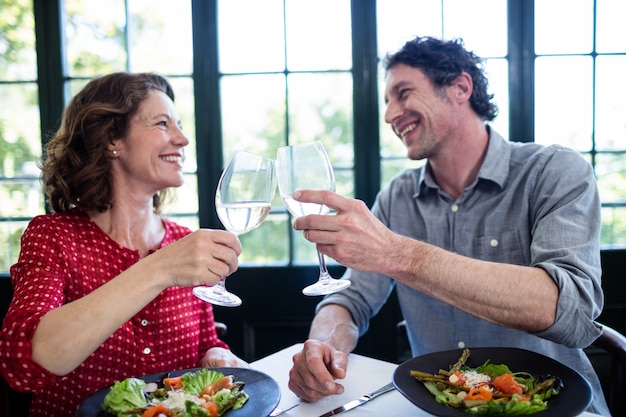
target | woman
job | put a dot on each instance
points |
(103, 285)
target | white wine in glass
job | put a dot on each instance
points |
(301, 167)
(243, 200)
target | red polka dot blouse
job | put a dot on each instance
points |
(65, 256)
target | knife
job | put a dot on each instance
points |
(360, 401)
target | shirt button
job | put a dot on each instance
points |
(493, 243)
(461, 344)
(144, 322)
(454, 208)
(146, 350)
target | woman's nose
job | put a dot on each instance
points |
(180, 137)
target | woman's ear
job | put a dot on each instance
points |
(114, 149)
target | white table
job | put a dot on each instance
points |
(364, 375)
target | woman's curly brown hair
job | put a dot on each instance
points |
(76, 169)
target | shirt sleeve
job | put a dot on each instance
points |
(565, 243)
(38, 288)
(368, 291)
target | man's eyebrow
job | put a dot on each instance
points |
(395, 88)
(399, 85)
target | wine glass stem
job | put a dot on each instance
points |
(324, 275)
(220, 288)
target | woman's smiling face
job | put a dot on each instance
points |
(152, 153)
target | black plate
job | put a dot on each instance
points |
(574, 398)
(262, 390)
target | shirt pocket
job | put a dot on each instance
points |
(503, 247)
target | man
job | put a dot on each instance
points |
(491, 243)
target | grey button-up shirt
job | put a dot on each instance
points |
(530, 205)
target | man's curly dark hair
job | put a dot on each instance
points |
(442, 62)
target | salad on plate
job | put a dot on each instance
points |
(204, 393)
(490, 389)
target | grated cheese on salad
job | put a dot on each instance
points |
(475, 379)
(175, 400)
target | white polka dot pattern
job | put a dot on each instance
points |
(65, 256)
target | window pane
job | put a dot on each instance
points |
(611, 31)
(392, 167)
(304, 251)
(484, 33)
(320, 108)
(319, 34)
(253, 118)
(563, 26)
(253, 113)
(22, 196)
(74, 88)
(497, 71)
(183, 200)
(392, 150)
(20, 133)
(613, 226)
(610, 107)
(262, 246)
(185, 106)
(17, 41)
(251, 36)
(94, 36)
(10, 235)
(20, 149)
(563, 101)
(160, 37)
(417, 18)
(190, 222)
(611, 176)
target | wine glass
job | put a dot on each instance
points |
(243, 200)
(307, 166)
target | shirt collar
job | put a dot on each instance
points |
(495, 167)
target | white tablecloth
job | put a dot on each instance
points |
(364, 375)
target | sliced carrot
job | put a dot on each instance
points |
(155, 411)
(175, 382)
(222, 383)
(506, 384)
(479, 393)
(212, 408)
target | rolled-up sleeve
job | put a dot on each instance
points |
(565, 244)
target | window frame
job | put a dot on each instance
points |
(53, 93)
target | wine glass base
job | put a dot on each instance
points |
(217, 296)
(326, 286)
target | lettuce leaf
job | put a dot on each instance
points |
(194, 410)
(515, 407)
(125, 395)
(442, 397)
(195, 382)
(492, 369)
(229, 399)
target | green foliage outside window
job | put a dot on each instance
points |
(260, 111)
